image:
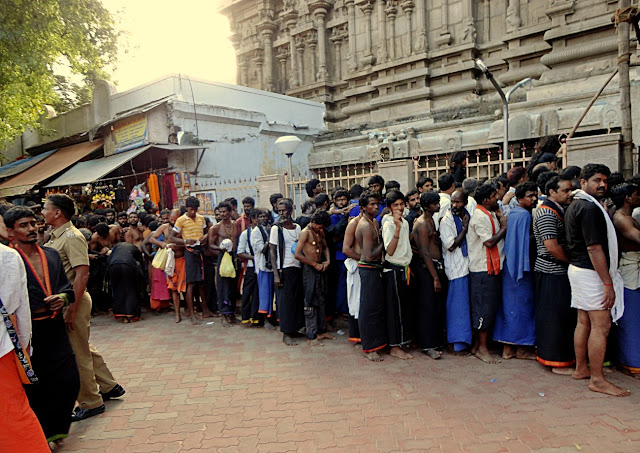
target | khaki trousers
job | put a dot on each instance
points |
(94, 374)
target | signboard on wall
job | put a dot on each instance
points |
(207, 201)
(130, 133)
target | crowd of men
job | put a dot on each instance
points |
(538, 262)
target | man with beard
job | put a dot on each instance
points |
(555, 319)
(264, 269)
(424, 184)
(110, 216)
(430, 286)
(415, 211)
(225, 229)
(247, 254)
(338, 226)
(287, 275)
(515, 319)
(597, 289)
(454, 227)
(133, 233)
(53, 360)
(372, 313)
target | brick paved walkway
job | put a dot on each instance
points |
(211, 389)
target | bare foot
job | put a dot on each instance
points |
(195, 321)
(178, 318)
(629, 373)
(606, 387)
(326, 336)
(508, 352)
(486, 357)
(433, 353)
(566, 371)
(315, 342)
(373, 356)
(207, 314)
(525, 354)
(225, 322)
(399, 353)
(358, 346)
(269, 326)
(288, 340)
(581, 374)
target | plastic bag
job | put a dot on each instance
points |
(226, 266)
(160, 260)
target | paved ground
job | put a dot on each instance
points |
(211, 389)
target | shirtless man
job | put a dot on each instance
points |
(429, 272)
(101, 240)
(626, 198)
(351, 249)
(225, 229)
(371, 316)
(133, 234)
(313, 253)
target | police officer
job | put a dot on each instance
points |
(96, 381)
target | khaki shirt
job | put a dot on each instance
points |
(72, 246)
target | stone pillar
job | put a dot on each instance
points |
(243, 71)
(408, 6)
(367, 7)
(352, 60)
(267, 29)
(420, 44)
(399, 170)
(604, 149)
(445, 36)
(392, 11)
(336, 39)
(312, 42)
(319, 8)
(487, 21)
(282, 57)
(289, 18)
(259, 62)
(383, 54)
(300, 50)
(268, 185)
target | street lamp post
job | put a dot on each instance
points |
(288, 145)
(505, 106)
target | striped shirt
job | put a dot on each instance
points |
(190, 228)
(548, 223)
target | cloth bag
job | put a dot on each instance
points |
(160, 260)
(170, 266)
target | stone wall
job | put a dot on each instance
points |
(398, 78)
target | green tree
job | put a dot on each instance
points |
(51, 52)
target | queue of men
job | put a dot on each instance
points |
(537, 263)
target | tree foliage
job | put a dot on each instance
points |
(51, 52)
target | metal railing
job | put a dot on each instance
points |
(481, 164)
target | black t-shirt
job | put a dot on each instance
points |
(585, 225)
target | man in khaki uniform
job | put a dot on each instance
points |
(96, 381)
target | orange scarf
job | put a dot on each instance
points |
(493, 255)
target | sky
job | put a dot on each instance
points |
(163, 37)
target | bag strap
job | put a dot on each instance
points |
(249, 241)
(19, 350)
(281, 244)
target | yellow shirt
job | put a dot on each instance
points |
(190, 228)
(72, 247)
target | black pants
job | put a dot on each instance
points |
(315, 291)
(372, 319)
(289, 300)
(398, 302)
(250, 299)
(431, 306)
(210, 281)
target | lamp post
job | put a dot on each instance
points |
(505, 106)
(288, 145)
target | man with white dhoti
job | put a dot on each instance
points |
(596, 284)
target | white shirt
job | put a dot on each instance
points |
(480, 231)
(455, 264)
(257, 242)
(403, 253)
(471, 205)
(15, 298)
(512, 203)
(445, 203)
(243, 245)
(290, 237)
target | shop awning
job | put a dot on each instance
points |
(47, 167)
(94, 170)
(21, 165)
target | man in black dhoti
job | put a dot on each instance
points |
(53, 360)
(126, 279)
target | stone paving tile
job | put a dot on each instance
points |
(210, 389)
